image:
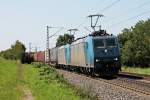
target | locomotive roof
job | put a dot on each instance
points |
(82, 40)
(104, 37)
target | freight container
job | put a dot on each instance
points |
(78, 55)
(61, 55)
(53, 55)
(39, 56)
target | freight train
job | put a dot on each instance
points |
(33, 57)
(97, 53)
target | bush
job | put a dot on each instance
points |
(134, 44)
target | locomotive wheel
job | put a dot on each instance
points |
(92, 72)
(84, 70)
(78, 70)
(88, 71)
(81, 70)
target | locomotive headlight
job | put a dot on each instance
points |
(105, 50)
(116, 59)
(97, 60)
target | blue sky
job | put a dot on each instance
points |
(26, 20)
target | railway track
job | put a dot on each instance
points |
(131, 84)
(134, 75)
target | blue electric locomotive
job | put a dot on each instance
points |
(106, 55)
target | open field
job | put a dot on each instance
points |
(136, 70)
(9, 89)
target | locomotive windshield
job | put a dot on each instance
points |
(101, 43)
(98, 43)
(111, 42)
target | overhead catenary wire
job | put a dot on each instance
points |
(109, 6)
(128, 19)
(87, 29)
(81, 24)
(142, 5)
(56, 32)
(106, 8)
(130, 10)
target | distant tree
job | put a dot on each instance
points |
(135, 44)
(17, 49)
(64, 39)
(14, 52)
(124, 36)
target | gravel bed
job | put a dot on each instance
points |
(101, 90)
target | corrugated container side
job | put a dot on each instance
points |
(39, 57)
(53, 55)
(78, 54)
(35, 57)
(61, 56)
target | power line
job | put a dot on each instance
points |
(143, 4)
(143, 13)
(131, 10)
(109, 6)
(87, 29)
(81, 24)
(56, 32)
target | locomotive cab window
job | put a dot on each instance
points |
(98, 43)
(111, 42)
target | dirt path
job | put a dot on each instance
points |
(27, 94)
(20, 75)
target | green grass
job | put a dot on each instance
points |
(44, 82)
(47, 84)
(8, 81)
(136, 70)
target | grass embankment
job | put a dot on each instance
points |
(8, 81)
(136, 70)
(47, 84)
(44, 83)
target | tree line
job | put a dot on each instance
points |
(64, 39)
(15, 52)
(135, 44)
